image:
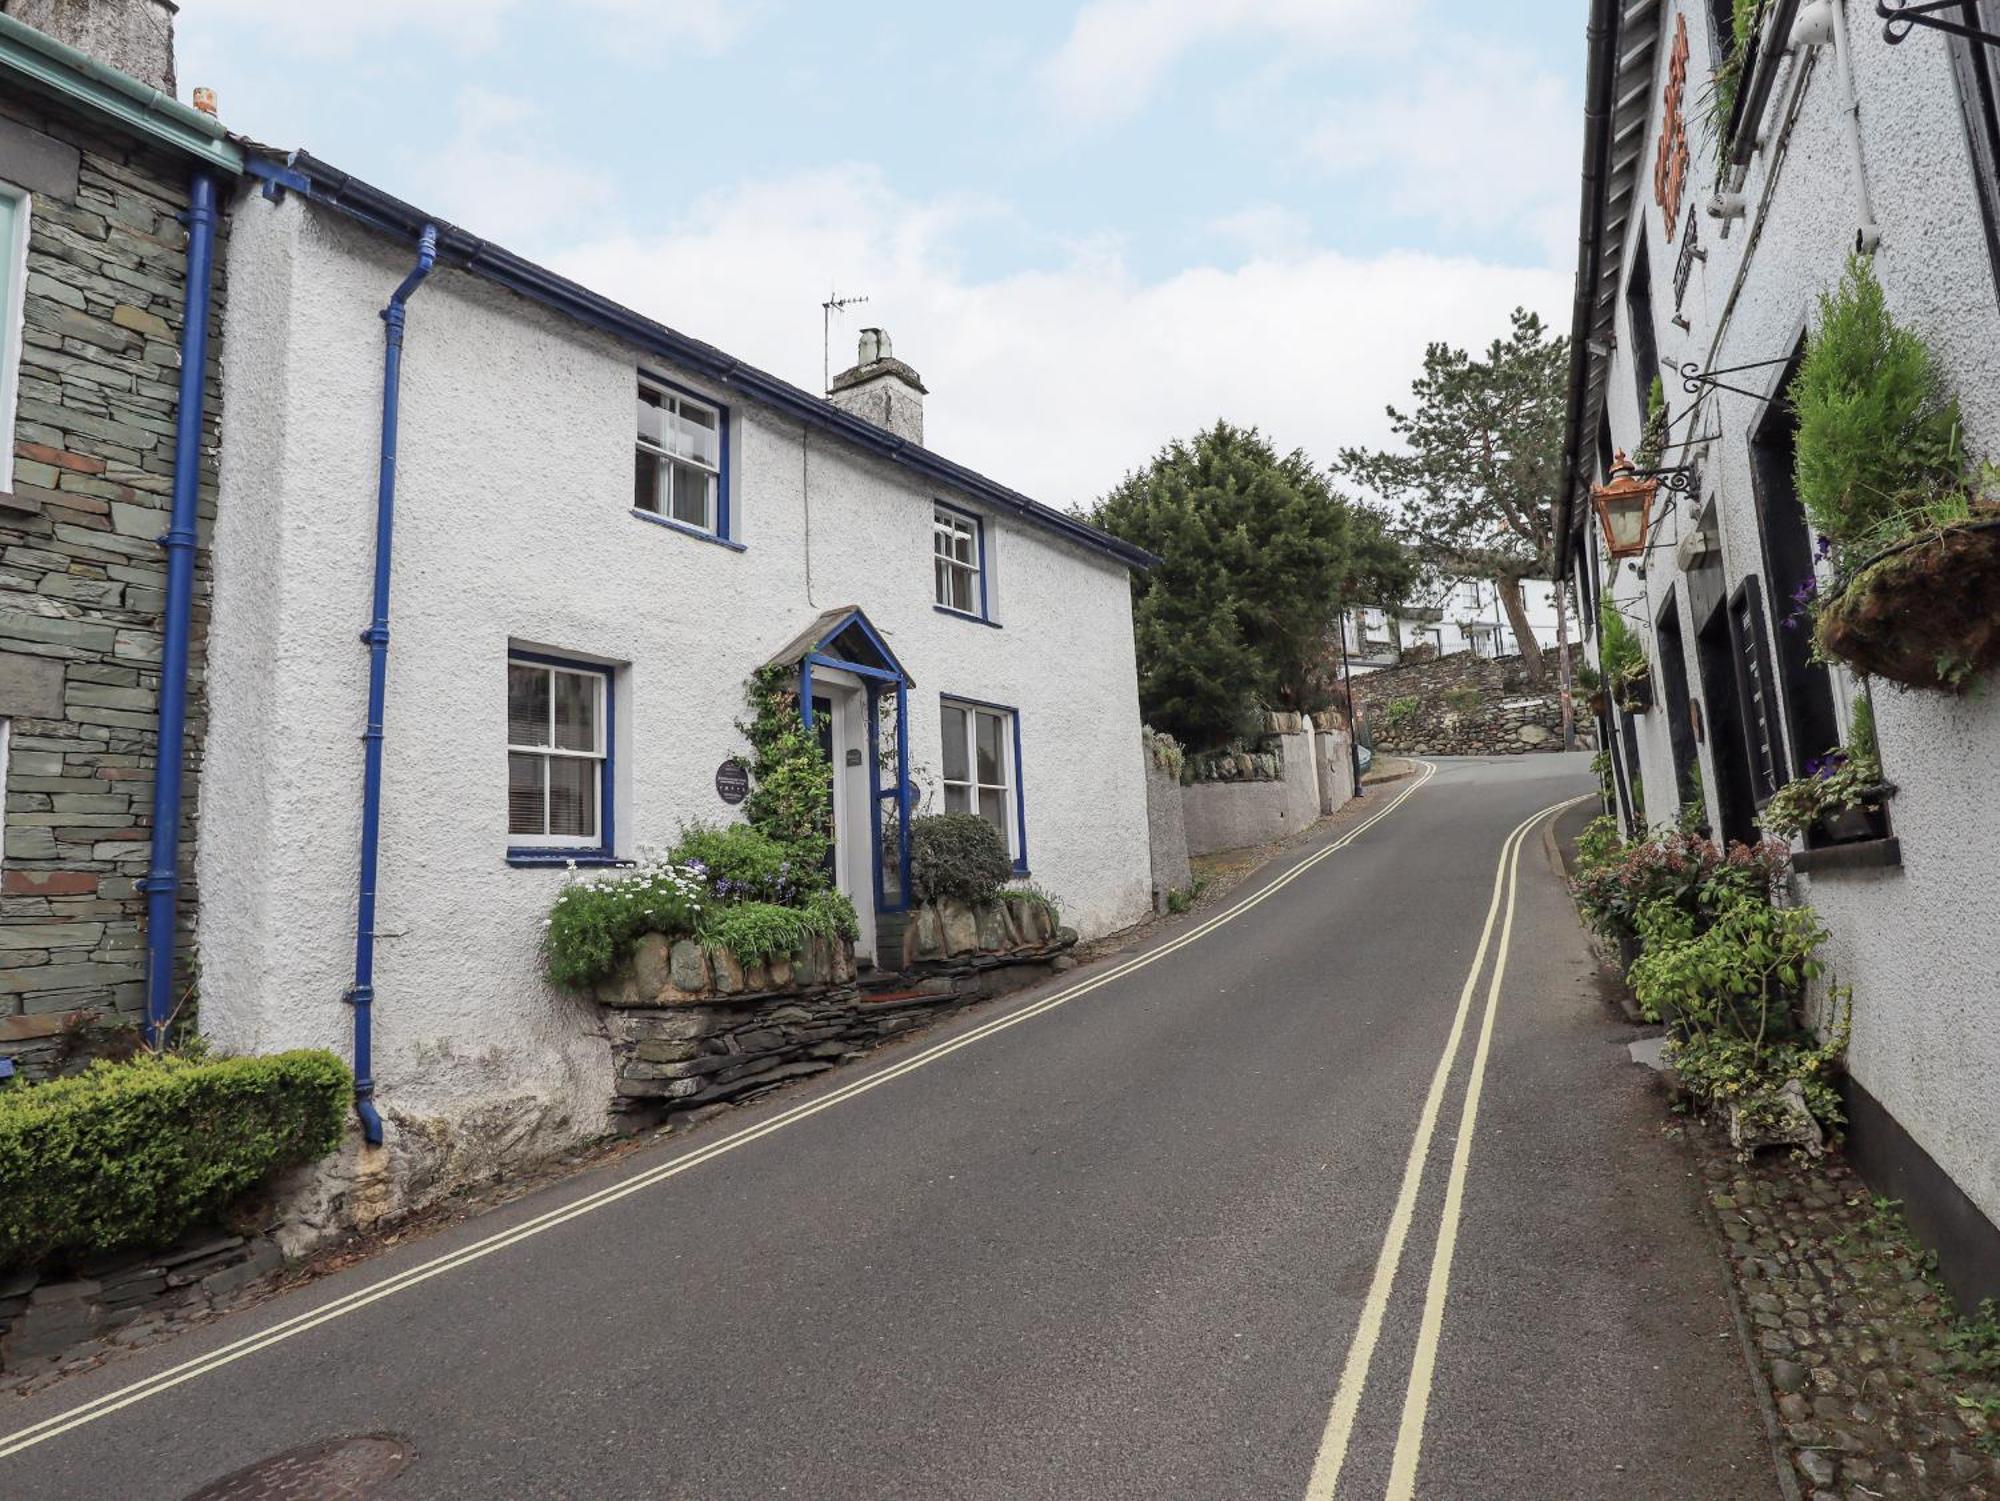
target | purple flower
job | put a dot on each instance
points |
(1823, 547)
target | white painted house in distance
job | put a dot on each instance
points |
(601, 529)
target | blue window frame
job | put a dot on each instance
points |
(560, 734)
(961, 579)
(680, 462)
(982, 769)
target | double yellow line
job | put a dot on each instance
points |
(341, 1307)
(1339, 1431)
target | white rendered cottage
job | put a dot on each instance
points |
(601, 529)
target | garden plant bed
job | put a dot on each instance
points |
(1872, 1372)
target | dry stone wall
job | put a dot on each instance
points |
(1461, 705)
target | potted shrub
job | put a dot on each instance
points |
(1635, 688)
(1841, 798)
(1911, 538)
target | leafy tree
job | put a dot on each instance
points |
(1259, 555)
(1476, 478)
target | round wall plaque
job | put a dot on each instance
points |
(732, 781)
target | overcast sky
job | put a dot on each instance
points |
(1091, 227)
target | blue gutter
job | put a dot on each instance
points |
(162, 883)
(362, 996)
(302, 173)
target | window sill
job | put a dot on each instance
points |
(581, 859)
(1866, 854)
(688, 531)
(962, 615)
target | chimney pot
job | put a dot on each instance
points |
(204, 100)
(881, 389)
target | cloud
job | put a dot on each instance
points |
(1474, 138)
(494, 178)
(338, 28)
(1118, 52)
(1059, 380)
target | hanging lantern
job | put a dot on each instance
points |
(1625, 508)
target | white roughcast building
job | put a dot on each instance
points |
(1704, 255)
(601, 529)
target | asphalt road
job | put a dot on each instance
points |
(1121, 1247)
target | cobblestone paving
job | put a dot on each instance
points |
(1877, 1393)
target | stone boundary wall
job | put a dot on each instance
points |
(82, 576)
(1228, 815)
(1166, 817)
(147, 1292)
(1466, 705)
(692, 1028)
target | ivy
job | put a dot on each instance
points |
(791, 792)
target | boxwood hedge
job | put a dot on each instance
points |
(128, 1155)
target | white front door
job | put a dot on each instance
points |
(840, 716)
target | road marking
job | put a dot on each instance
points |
(152, 1386)
(1339, 1431)
(1423, 1363)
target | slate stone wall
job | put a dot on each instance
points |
(1463, 705)
(82, 577)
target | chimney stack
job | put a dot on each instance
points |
(881, 389)
(133, 36)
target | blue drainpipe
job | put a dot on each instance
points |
(162, 883)
(362, 996)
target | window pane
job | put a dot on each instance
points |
(962, 590)
(955, 769)
(992, 765)
(652, 419)
(957, 799)
(646, 481)
(695, 435)
(993, 808)
(964, 545)
(690, 502)
(527, 704)
(573, 797)
(943, 582)
(524, 794)
(576, 711)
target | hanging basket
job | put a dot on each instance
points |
(1924, 613)
(1635, 693)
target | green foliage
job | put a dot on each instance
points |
(1728, 82)
(1721, 1070)
(594, 924)
(1840, 782)
(1736, 971)
(743, 863)
(1600, 843)
(1696, 876)
(1402, 712)
(131, 1154)
(956, 855)
(1182, 898)
(791, 791)
(1466, 699)
(1879, 437)
(758, 932)
(1653, 436)
(1974, 1343)
(1474, 479)
(1618, 649)
(1033, 894)
(1861, 728)
(1259, 556)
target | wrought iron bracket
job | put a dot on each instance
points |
(1901, 17)
(1693, 377)
(1677, 478)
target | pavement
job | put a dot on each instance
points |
(1127, 1234)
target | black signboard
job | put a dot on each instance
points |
(732, 781)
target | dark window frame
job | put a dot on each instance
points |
(1975, 66)
(1759, 703)
(1645, 330)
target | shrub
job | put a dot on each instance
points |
(1879, 438)
(594, 924)
(1736, 972)
(1618, 650)
(1694, 876)
(1402, 712)
(131, 1154)
(1599, 842)
(956, 855)
(757, 932)
(744, 864)
(1464, 700)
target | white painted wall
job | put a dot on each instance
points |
(1919, 945)
(513, 524)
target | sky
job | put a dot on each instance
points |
(1092, 227)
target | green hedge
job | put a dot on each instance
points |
(131, 1154)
